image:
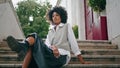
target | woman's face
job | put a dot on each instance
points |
(56, 18)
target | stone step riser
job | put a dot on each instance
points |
(5, 49)
(98, 47)
(81, 47)
(10, 65)
(8, 58)
(84, 52)
(80, 41)
(72, 62)
(98, 61)
(68, 66)
(94, 44)
(7, 52)
(3, 44)
(101, 61)
(94, 41)
(92, 66)
(100, 52)
(95, 60)
(85, 45)
(11, 62)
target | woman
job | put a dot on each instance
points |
(55, 52)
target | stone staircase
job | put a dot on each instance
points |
(102, 54)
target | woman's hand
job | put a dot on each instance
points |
(82, 60)
(55, 51)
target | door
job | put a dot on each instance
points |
(94, 31)
(88, 21)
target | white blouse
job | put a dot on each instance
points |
(71, 38)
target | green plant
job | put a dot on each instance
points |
(75, 30)
(27, 8)
(97, 5)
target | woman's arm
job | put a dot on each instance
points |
(74, 46)
(72, 41)
(81, 59)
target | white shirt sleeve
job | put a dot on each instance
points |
(47, 42)
(72, 40)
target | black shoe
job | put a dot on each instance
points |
(16, 46)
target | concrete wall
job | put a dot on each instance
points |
(113, 20)
(9, 24)
(81, 18)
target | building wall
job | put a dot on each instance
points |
(9, 24)
(81, 18)
(113, 19)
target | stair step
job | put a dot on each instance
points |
(17, 65)
(5, 49)
(84, 52)
(3, 44)
(97, 62)
(92, 66)
(8, 57)
(94, 41)
(97, 46)
(100, 52)
(98, 59)
(7, 52)
(10, 62)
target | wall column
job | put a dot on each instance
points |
(81, 20)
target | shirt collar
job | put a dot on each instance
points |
(52, 25)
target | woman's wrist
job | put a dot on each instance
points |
(81, 59)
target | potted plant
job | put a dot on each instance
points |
(97, 5)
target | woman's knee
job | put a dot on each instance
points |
(31, 40)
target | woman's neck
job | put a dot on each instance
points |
(56, 23)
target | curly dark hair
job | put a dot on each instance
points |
(61, 11)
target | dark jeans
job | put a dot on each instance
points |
(43, 56)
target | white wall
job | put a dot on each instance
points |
(9, 24)
(113, 20)
(75, 9)
(81, 19)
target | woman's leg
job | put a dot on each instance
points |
(30, 40)
(42, 55)
(28, 56)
